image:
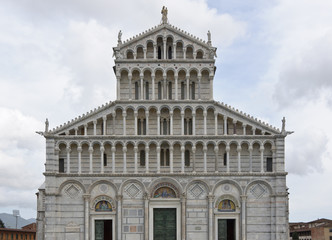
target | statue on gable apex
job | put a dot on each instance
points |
(164, 13)
(209, 36)
(283, 128)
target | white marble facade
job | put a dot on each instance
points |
(164, 144)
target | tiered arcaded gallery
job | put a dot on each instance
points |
(164, 161)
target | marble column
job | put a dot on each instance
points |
(216, 151)
(79, 151)
(85, 129)
(250, 157)
(216, 123)
(182, 123)
(273, 158)
(86, 198)
(205, 115)
(142, 87)
(144, 50)
(118, 88)
(194, 158)
(76, 131)
(146, 121)
(171, 159)
(124, 151)
(146, 216)
(211, 87)
(261, 149)
(171, 122)
(90, 155)
(199, 86)
(56, 159)
(113, 159)
(105, 125)
(158, 159)
(176, 87)
(119, 199)
(135, 123)
(188, 87)
(147, 149)
(210, 226)
(234, 127)
(130, 77)
(205, 163)
(244, 129)
(153, 87)
(102, 149)
(243, 215)
(158, 122)
(113, 120)
(124, 115)
(164, 88)
(94, 127)
(194, 122)
(135, 158)
(174, 50)
(227, 156)
(183, 216)
(238, 149)
(225, 125)
(164, 47)
(182, 158)
(68, 149)
(154, 51)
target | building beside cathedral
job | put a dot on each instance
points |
(164, 161)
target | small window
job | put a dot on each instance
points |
(105, 159)
(225, 159)
(61, 165)
(142, 158)
(144, 126)
(102, 128)
(193, 91)
(182, 90)
(269, 164)
(169, 52)
(159, 90)
(169, 90)
(330, 229)
(136, 90)
(147, 90)
(187, 158)
(82, 131)
(159, 52)
(139, 127)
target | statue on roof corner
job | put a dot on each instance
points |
(164, 12)
(46, 125)
(119, 37)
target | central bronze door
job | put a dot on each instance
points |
(103, 230)
(164, 224)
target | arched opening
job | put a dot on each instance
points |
(199, 54)
(149, 50)
(130, 55)
(179, 50)
(160, 46)
(189, 53)
(139, 53)
(164, 155)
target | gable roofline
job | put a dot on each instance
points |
(80, 118)
(249, 118)
(159, 27)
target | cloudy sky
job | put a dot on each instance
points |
(274, 60)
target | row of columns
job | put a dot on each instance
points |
(164, 82)
(171, 150)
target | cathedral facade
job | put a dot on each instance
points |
(164, 161)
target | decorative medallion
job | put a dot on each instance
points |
(258, 190)
(103, 188)
(227, 188)
(73, 190)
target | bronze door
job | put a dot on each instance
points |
(164, 223)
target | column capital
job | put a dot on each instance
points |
(147, 113)
(182, 148)
(135, 149)
(227, 148)
(105, 118)
(79, 149)
(216, 149)
(243, 197)
(124, 114)
(234, 121)
(205, 149)
(119, 197)
(113, 149)
(147, 149)
(210, 197)
(171, 113)
(171, 148)
(182, 113)
(68, 149)
(94, 122)
(146, 196)
(135, 114)
(90, 149)
(193, 113)
(261, 149)
(158, 113)
(124, 149)
(76, 128)
(204, 113)
(85, 125)
(86, 197)
(193, 149)
(250, 148)
(102, 149)
(216, 114)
